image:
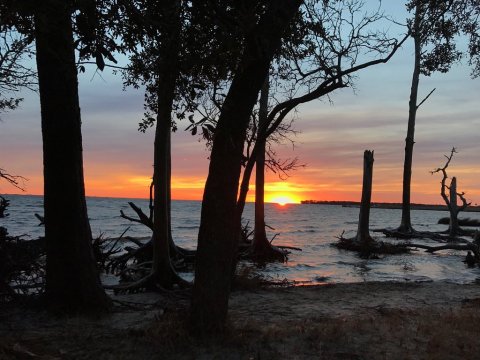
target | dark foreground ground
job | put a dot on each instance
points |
(345, 321)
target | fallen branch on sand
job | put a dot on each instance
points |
(461, 221)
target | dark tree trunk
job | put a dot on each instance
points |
(406, 223)
(72, 281)
(454, 228)
(162, 270)
(262, 250)
(363, 233)
(218, 234)
(260, 242)
(244, 186)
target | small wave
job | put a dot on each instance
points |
(187, 227)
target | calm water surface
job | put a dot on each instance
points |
(310, 227)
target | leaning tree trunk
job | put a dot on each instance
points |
(363, 233)
(218, 234)
(406, 223)
(72, 281)
(163, 272)
(244, 186)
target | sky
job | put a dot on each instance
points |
(331, 140)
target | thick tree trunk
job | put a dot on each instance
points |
(72, 281)
(363, 233)
(162, 270)
(217, 238)
(406, 223)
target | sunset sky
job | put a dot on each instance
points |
(331, 139)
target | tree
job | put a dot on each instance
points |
(451, 199)
(219, 231)
(433, 28)
(363, 231)
(176, 69)
(320, 56)
(261, 248)
(15, 75)
(168, 71)
(72, 281)
(466, 14)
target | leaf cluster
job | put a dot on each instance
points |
(441, 23)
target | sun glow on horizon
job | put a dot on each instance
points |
(283, 200)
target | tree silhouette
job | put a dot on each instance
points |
(217, 239)
(321, 56)
(72, 281)
(434, 26)
(451, 199)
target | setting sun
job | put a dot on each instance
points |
(283, 200)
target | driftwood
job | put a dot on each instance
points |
(442, 236)
(473, 247)
(461, 221)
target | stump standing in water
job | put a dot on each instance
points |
(363, 233)
(363, 243)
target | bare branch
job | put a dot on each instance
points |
(426, 98)
(13, 180)
(142, 218)
(443, 170)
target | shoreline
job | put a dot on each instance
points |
(383, 205)
(375, 320)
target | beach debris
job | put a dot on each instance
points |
(468, 246)
(461, 221)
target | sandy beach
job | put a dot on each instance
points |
(435, 320)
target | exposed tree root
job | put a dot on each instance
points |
(436, 236)
(150, 281)
(269, 253)
(177, 253)
(451, 246)
(371, 248)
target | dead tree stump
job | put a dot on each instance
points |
(363, 233)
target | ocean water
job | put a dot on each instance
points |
(313, 228)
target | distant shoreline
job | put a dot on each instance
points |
(382, 205)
